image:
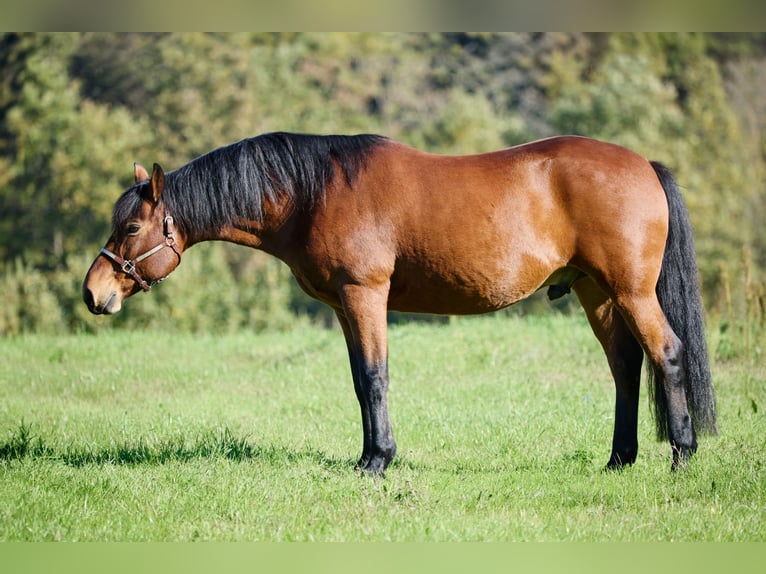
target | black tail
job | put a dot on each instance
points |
(679, 294)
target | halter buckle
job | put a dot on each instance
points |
(128, 267)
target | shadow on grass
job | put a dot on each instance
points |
(223, 444)
(23, 444)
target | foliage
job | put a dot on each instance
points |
(62, 155)
(77, 109)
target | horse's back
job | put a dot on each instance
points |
(563, 172)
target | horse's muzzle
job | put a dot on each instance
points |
(106, 308)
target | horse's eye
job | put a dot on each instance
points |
(133, 228)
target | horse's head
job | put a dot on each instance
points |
(144, 248)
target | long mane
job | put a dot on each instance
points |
(231, 184)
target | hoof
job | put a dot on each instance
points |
(372, 467)
(375, 464)
(613, 466)
(681, 457)
(619, 461)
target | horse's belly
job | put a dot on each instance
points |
(465, 291)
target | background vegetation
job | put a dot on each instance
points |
(77, 109)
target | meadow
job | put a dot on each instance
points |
(503, 426)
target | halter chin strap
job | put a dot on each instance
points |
(129, 265)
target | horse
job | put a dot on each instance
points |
(367, 224)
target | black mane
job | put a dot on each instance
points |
(231, 183)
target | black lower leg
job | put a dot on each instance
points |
(626, 369)
(379, 447)
(683, 439)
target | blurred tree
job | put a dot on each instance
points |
(77, 109)
(663, 96)
(64, 155)
(509, 70)
(623, 101)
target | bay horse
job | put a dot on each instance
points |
(367, 225)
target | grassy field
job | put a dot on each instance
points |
(503, 427)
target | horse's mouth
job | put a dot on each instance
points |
(109, 307)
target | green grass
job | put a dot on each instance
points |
(503, 427)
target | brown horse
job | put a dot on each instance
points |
(367, 224)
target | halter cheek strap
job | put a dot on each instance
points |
(129, 265)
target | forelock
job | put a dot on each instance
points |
(127, 206)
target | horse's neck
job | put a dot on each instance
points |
(267, 234)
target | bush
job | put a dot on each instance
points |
(30, 305)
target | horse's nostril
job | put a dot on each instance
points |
(87, 296)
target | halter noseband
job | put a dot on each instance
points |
(129, 265)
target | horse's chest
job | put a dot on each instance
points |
(316, 288)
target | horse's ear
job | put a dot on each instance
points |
(156, 184)
(139, 173)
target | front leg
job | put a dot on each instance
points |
(356, 367)
(363, 319)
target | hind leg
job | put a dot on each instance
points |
(665, 352)
(625, 356)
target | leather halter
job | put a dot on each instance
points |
(129, 265)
